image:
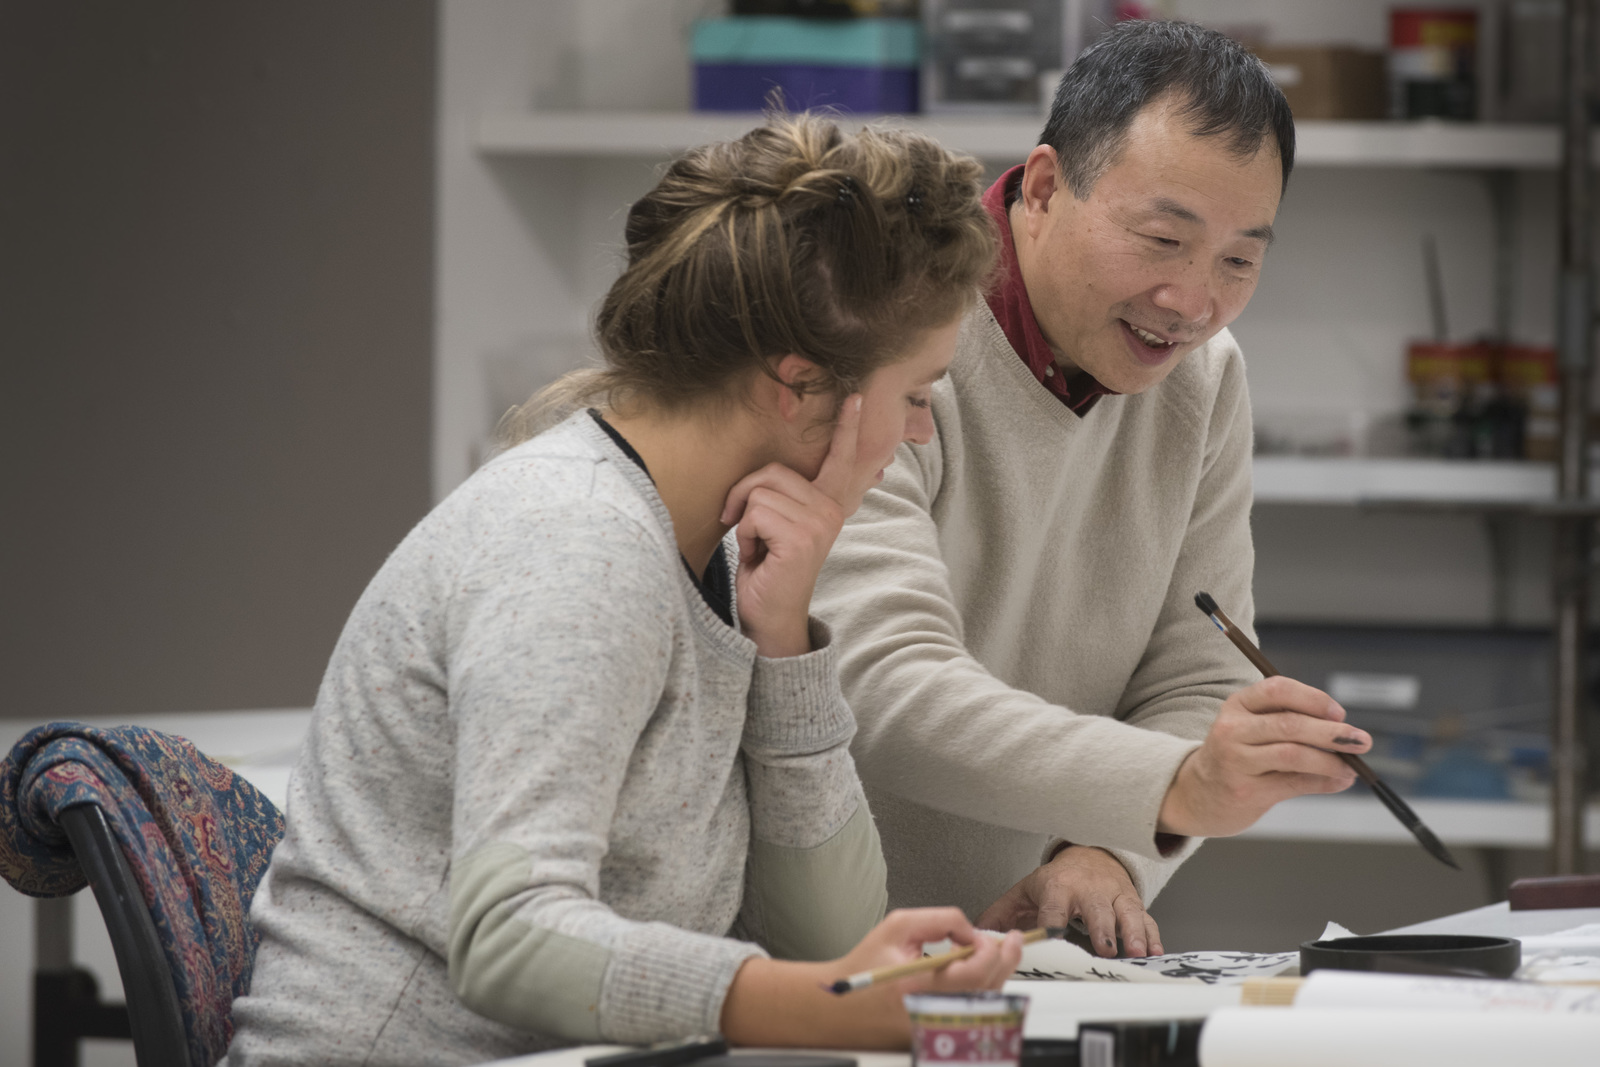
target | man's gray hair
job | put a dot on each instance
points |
(1225, 91)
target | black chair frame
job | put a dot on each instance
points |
(67, 1007)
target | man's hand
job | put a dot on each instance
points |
(1080, 883)
(1271, 741)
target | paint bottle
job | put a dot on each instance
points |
(1433, 59)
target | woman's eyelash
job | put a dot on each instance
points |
(919, 402)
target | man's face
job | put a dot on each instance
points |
(1165, 252)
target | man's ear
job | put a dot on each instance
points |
(1041, 180)
(799, 378)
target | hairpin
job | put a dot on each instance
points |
(914, 200)
(847, 191)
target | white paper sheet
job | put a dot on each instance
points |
(1064, 961)
(1373, 1037)
(1560, 969)
(1578, 941)
(1358, 989)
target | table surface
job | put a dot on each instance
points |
(1493, 919)
(1498, 920)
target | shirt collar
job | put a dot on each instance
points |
(1009, 302)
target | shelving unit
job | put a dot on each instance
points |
(1468, 823)
(1278, 479)
(1487, 484)
(634, 134)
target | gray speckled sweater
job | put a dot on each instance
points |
(542, 783)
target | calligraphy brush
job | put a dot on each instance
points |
(929, 963)
(1391, 800)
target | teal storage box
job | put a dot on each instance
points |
(865, 65)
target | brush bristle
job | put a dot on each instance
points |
(841, 987)
(1204, 602)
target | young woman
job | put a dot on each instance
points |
(580, 760)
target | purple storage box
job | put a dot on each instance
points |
(744, 87)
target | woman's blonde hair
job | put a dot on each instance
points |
(795, 238)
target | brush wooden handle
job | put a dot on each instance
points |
(928, 963)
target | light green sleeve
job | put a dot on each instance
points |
(816, 903)
(506, 968)
(815, 880)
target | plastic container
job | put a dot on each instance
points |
(864, 65)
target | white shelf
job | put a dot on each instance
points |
(1469, 823)
(599, 134)
(1333, 480)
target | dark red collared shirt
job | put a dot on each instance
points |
(1009, 302)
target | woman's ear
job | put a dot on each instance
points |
(800, 380)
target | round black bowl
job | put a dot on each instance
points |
(1453, 955)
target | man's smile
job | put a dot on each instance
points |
(1147, 347)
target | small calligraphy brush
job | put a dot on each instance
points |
(1390, 798)
(929, 963)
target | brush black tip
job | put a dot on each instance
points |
(841, 986)
(1204, 602)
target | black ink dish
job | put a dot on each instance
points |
(1451, 955)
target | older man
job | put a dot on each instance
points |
(1015, 601)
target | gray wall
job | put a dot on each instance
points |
(215, 331)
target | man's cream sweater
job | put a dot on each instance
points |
(1013, 610)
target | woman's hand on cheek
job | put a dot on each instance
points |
(786, 525)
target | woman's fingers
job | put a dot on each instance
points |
(992, 962)
(838, 473)
(916, 926)
(780, 480)
(774, 476)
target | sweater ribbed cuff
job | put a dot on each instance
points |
(664, 982)
(795, 705)
(1149, 876)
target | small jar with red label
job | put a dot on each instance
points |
(966, 1028)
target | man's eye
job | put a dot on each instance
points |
(1170, 242)
(1242, 264)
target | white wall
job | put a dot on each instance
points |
(526, 248)
(215, 255)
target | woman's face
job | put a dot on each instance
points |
(896, 399)
(895, 407)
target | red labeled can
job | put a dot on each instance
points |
(1433, 63)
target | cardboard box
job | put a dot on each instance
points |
(1333, 82)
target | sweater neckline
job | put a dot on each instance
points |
(729, 640)
(718, 595)
(996, 349)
